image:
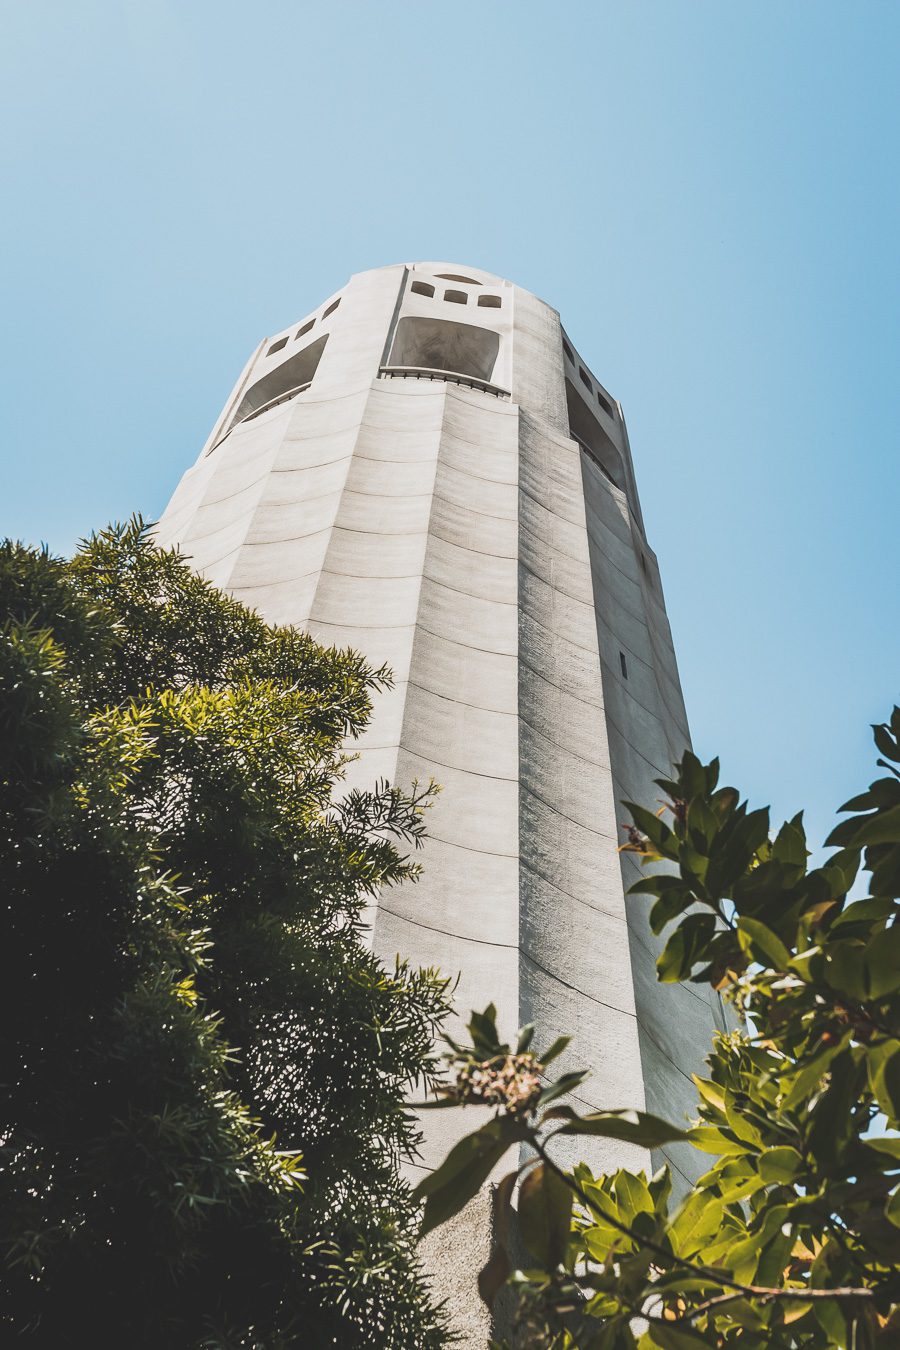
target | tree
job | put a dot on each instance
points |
(792, 1236)
(204, 1069)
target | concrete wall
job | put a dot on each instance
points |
(458, 532)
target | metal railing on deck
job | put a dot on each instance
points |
(257, 412)
(453, 376)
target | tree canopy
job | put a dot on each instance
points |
(791, 1238)
(204, 1068)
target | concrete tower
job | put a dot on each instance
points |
(426, 470)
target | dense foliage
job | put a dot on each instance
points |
(203, 1068)
(792, 1236)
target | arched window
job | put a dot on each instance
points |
(456, 297)
(489, 301)
(422, 288)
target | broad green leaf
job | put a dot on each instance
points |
(889, 1144)
(555, 1050)
(483, 1030)
(632, 1195)
(635, 1127)
(467, 1166)
(866, 912)
(780, 1165)
(676, 1338)
(653, 826)
(809, 1073)
(845, 969)
(790, 845)
(884, 1078)
(526, 1035)
(545, 1214)
(892, 1208)
(567, 1083)
(711, 1093)
(882, 959)
(758, 941)
(710, 1140)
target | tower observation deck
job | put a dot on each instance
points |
(425, 469)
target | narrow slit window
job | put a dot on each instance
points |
(305, 329)
(489, 301)
(624, 664)
(332, 307)
(568, 351)
(277, 346)
(422, 288)
(456, 297)
(585, 377)
(604, 404)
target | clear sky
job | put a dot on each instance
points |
(707, 190)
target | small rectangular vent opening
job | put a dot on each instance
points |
(605, 404)
(624, 664)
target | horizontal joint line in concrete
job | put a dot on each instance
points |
(446, 932)
(450, 698)
(558, 811)
(574, 987)
(595, 909)
(675, 1065)
(634, 699)
(469, 848)
(455, 768)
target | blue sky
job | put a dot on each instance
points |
(707, 191)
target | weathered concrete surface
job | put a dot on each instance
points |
(455, 528)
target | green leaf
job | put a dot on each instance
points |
(545, 1215)
(886, 742)
(766, 947)
(790, 845)
(634, 1127)
(653, 826)
(467, 1166)
(710, 1140)
(567, 1083)
(526, 1035)
(669, 905)
(676, 1338)
(780, 1165)
(556, 1049)
(882, 960)
(892, 1208)
(884, 1078)
(483, 1030)
(845, 969)
(685, 947)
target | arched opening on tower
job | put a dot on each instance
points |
(585, 428)
(292, 376)
(442, 345)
